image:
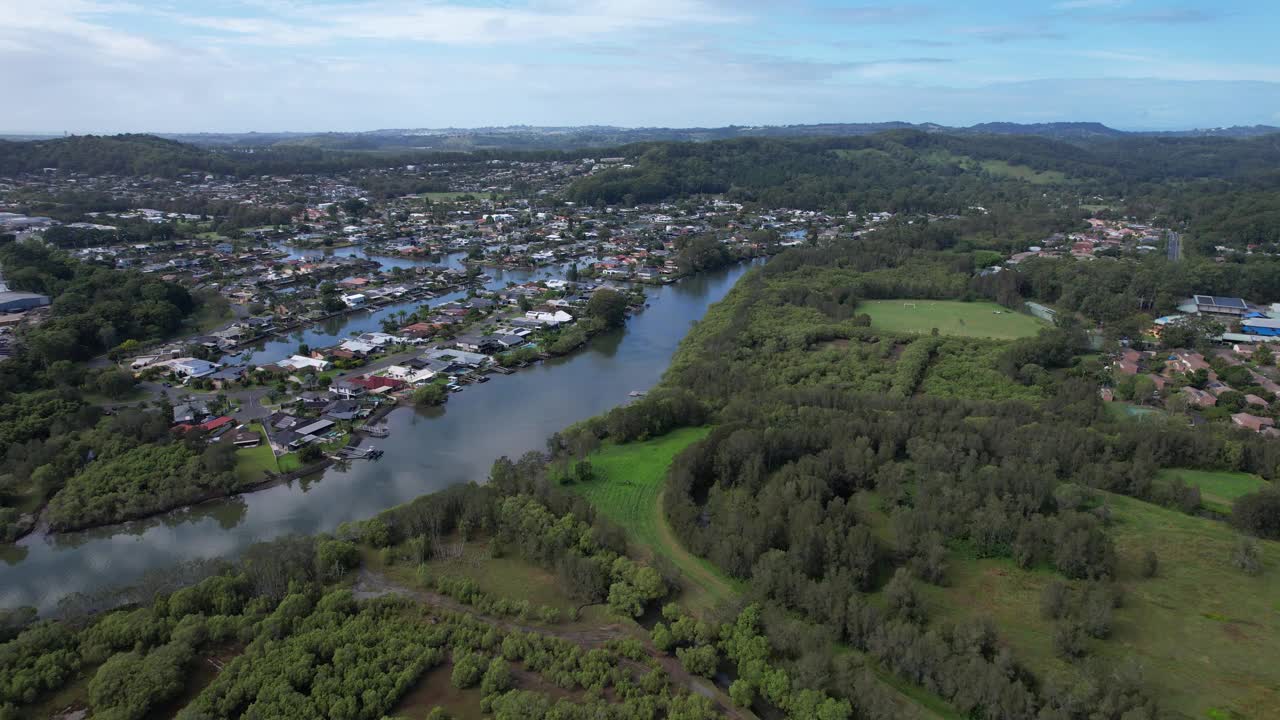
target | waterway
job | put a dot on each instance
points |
(428, 450)
(337, 329)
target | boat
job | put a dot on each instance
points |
(637, 393)
(378, 431)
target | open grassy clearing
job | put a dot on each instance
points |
(1206, 635)
(950, 317)
(1218, 490)
(1001, 168)
(628, 490)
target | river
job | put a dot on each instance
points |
(428, 450)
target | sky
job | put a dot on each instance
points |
(104, 66)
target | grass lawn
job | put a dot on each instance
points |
(253, 463)
(628, 491)
(1128, 411)
(1218, 490)
(950, 317)
(1206, 635)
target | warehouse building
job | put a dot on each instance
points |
(12, 301)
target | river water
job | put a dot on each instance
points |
(428, 450)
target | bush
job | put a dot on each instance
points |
(1246, 557)
(1258, 514)
(1150, 564)
(468, 667)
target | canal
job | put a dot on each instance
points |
(428, 450)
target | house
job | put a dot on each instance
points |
(378, 384)
(218, 423)
(419, 330)
(244, 438)
(342, 410)
(346, 389)
(460, 357)
(189, 368)
(1187, 361)
(1199, 398)
(478, 343)
(1252, 422)
(299, 362)
(357, 347)
(226, 376)
(190, 413)
(557, 317)
(355, 299)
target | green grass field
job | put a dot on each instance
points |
(1218, 490)
(254, 463)
(950, 317)
(628, 491)
(1206, 635)
(1000, 168)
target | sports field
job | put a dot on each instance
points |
(950, 317)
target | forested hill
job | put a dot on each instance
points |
(151, 155)
(911, 170)
(522, 137)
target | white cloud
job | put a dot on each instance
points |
(457, 24)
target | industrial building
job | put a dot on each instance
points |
(13, 301)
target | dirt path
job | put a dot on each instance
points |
(715, 586)
(370, 584)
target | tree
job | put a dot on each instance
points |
(608, 307)
(430, 395)
(116, 384)
(468, 667)
(701, 660)
(497, 677)
(742, 693)
(1258, 513)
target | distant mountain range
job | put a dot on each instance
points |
(528, 137)
(525, 137)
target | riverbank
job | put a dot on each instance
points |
(428, 449)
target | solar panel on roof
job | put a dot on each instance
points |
(1204, 300)
(1228, 302)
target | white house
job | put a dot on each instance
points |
(354, 299)
(298, 362)
(192, 367)
(559, 317)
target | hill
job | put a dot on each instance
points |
(524, 137)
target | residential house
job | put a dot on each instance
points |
(342, 410)
(190, 413)
(347, 390)
(1252, 422)
(1199, 398)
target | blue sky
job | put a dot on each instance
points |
(314, 65)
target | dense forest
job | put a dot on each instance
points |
(822, 422)
(56, 444)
